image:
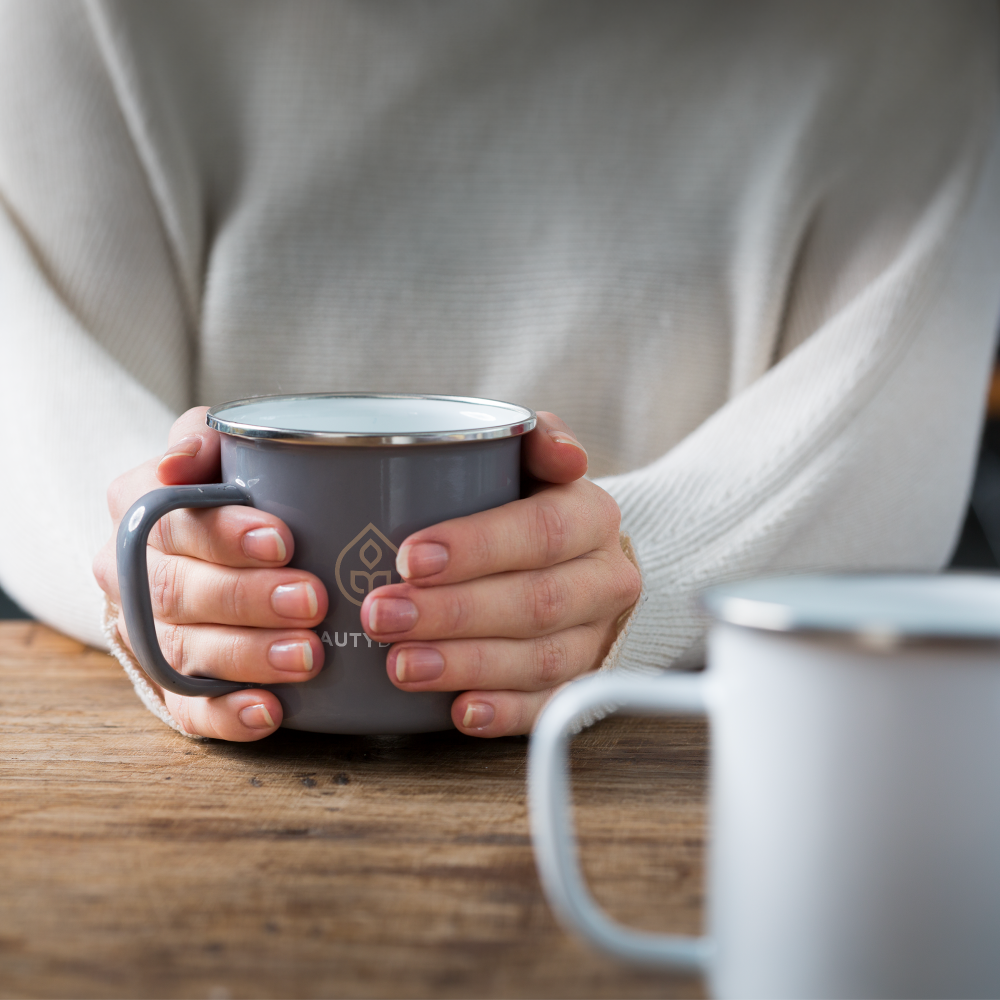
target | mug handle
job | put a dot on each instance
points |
(552, 824)
(133, 581)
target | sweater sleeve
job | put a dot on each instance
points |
(94, 338)
(855, 448)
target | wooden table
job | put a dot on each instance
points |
(138, 863)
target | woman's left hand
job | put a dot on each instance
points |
(508, 604)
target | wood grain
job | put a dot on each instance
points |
(138, 863)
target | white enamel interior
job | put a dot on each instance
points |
(373, 415)
(949, 604)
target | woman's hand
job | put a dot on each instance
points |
(223, 603)
(508, 604)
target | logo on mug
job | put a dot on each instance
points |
(365, 562)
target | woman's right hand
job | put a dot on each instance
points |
(224, 602)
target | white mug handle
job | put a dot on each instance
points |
(552, 823)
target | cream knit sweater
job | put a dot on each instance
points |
(748, 250)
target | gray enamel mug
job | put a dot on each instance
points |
(352, 475)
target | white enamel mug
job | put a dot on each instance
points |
(855, 790)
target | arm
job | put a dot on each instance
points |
(856, 449)
(93, 331)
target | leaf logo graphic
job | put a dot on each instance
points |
(367, 561)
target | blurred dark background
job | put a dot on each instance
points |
(979, 544)
(8, 609)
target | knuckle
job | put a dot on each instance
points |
(546, 602)
(234, 595)
(479, 544)
(236, 653)
(629, 584)
(166, 588)
(228, 655)
(551, 660)
(179, 533)
(550, 531)
(456, 613)
(201, 531)
(611, 512)
(164, 534)
(601, 637)
(180, 709)
(206, 537)
(173, 647)
(478, 666)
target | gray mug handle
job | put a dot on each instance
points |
(133, 581)
(552, 821)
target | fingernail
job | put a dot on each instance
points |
(296, 656)
(295, 600)
(418, 663)
(421, 559)
(561, 437)
(256, 717)
(187, 446)
(478, 715)
(391, 614)
(265, 544)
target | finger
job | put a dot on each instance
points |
(248, 655)
(498, 664)
(551, 451)
(228, 536)
(241, 716)
(231, 535)
(498, 713)
(192, 454)
(553, 526)
(511, 605)
(187, 591)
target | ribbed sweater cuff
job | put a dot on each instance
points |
(149, 695)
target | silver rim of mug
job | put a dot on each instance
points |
(523, 420)
(759, 614)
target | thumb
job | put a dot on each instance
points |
(551, 452)
(192, 455)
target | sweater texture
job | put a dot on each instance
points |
(747, 250)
